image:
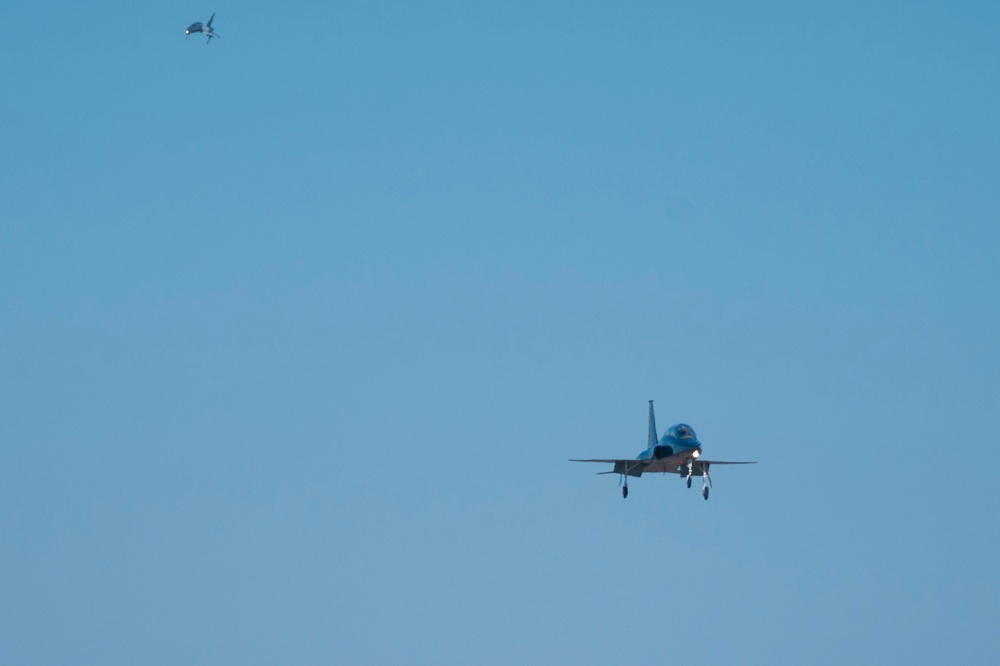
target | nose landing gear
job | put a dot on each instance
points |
(706, 479)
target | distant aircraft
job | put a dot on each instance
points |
(205, 29)
(677, 452)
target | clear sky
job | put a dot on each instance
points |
(298, 330)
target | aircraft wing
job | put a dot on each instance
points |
(630, 466)
(726, 462)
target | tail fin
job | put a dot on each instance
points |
(209, 24)
(652, 427)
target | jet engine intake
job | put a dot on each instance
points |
(662, 451)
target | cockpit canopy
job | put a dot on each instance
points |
(682, 431)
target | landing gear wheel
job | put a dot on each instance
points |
(689, 482)
(704, 492)
(624, 492)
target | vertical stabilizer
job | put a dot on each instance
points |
(652, 427)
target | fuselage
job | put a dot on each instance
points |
(678, 447)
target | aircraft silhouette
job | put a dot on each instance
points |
(204, 28)
(677, 452)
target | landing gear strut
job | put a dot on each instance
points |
(624, 472)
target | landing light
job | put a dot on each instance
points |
(696, 453)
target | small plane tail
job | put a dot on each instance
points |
(652, 428)
(209, 24)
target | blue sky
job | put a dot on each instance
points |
(298, 329)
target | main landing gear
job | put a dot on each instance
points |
(706, 480)
(623, 478)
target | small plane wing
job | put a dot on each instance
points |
(634, 467)
(631, 466)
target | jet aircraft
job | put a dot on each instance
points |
(677, 452)
(204, 28)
